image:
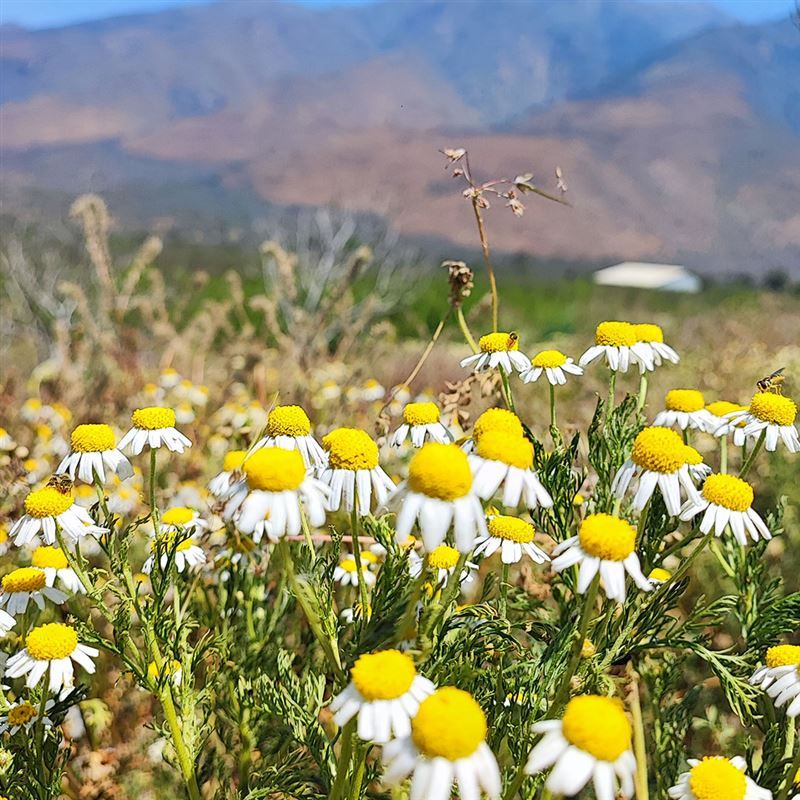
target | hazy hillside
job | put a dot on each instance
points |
(679, 133)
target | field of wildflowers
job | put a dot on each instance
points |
(248, 553)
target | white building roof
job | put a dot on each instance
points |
(642, 275)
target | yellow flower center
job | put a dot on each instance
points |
(178, 516)
(233, 460)
(449, 724)
(288, 421)
(92, 439)
(386, 675)
(273, 469)
(168, 668)
(498, 342)
(648, 332)
(350, 448)
(51, 642)
(443, 557)
(598, 726)
(659, 574)
(349, 565)
(515, 451)
(719, 408)
(512, 528)
(153, 418)
(49, 557)
(716, 778)
(21, 714)
(549, 358)
(687, 400)
(606, 537)
(24, 579)
(421, 413)
(441, 471)
(773, 408)
(497, 419)
(693, 457)
(728, 491)
(659, 450)
(783, 655)
(47, 502)
(615, 334)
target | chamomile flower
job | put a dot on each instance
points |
(7, 443)
(290, 428)
(684, 408)
(446, 745)
(555, 366)
(718, 418)
(48, 510)
(437, 495)
(513, 537)
(353, 472)
(169, 378)
(221, 484)
(726, 503)
(54, 564)
(502, 459)
(780, 677)
(181, 518)
(493, 419)
(7, 622)
(443, 561)
(698, 470)
(659, 576)
(384, 693)
(421, 421)
(604, 544)
(591, 742)
(22, 715)
(659, 459)
(53, 646)
(188, 554)
(617, 343)
(771, 414)
(650, 340)
(275, 482)
(346, 572)
(171, 670)
(154, 427)
(498, 350)
(717, 777)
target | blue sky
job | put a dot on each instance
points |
(51, 13)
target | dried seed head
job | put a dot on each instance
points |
(460, 277)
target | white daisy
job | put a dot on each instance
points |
(170, 669)
(153, 427)
(686, 409)
(493, 419)
(727, 502)
(780, 677)
(221, 484)
(604, 544)
(771, 414)
(346, 572)
(93, 450)
(650, 340)
(513, 537)
(591, 743)
(421, 420)
(443, 560)
(7, 443)
(353, 472)
(718, 419)
(446, 745)
(617, 342)
(437, 495)
(52, 647)
(49, 510)
(384, 692)
(183, 519)
(22, 715)
(276, 481)
(498, 350)
(503, 459)
(659, 459)
(7, 622)
(290, 428)
(555, 366)
(55, 566)
(188, 555)
(717, 777)
(371, 391)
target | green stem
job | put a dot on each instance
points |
(516, 783)
(789, 778)
(153, 505)
(642, 524)
(360, 758)
(639, 746)
(344, 760)
(355, 529)
(408, 623)
(642, 399)
(307, 533)
(555, 433)
(612, 385)
(575, 655)
(507, 390)
(503, 608)
(465, 331)
(101, 496)
(723, 454)
(752, 457)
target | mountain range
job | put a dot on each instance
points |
(677, 129)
